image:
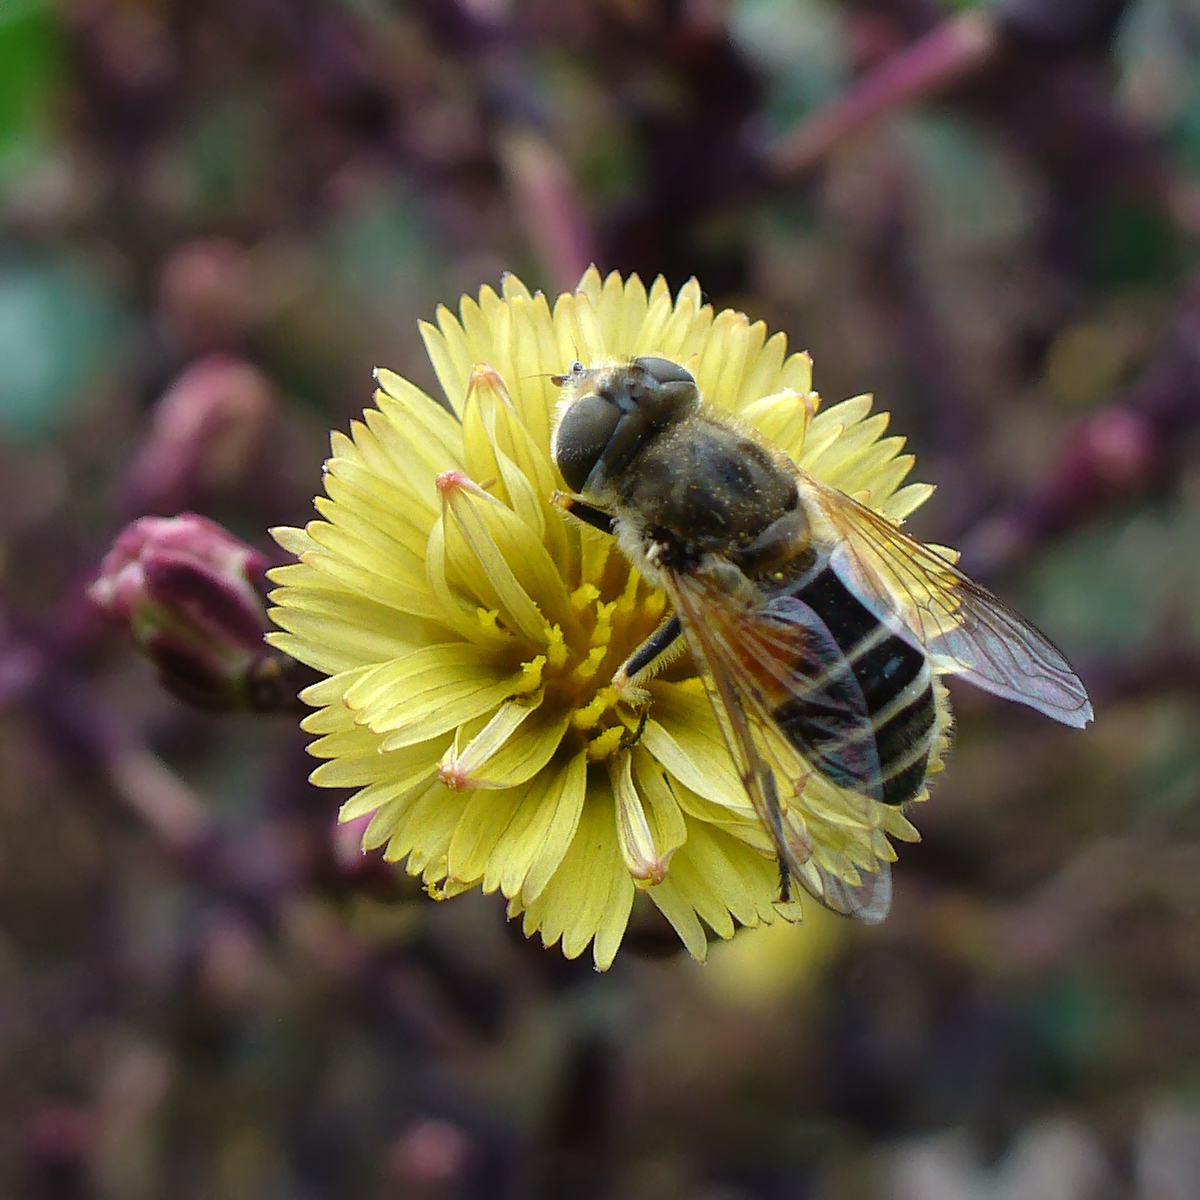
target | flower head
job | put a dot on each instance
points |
(191, 596)
(470, 632)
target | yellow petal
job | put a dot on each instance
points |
(631, 317)
(326, 696)
(307, 644)
(478, 321)
(383, 457)
(718, 371)
(294, 541)
(451, 358)
(393, 808)
(881, 480)
(537, 850)
(425, 833)
(676, 337)
(577, 331)
(355, 760)
(682, 916)
(764, 370)
(399, 511)
(830, 427)
(507, 751)
(591, 284)
(526, 754)
(360, 534)
(742, 823)
(906, 501)
(797, 373)
(513, 562)
(346, 561)
(715, 875)
(459, 611)
(486, 820)
(491, 428)
(684, 736)
(646, 859)
(417, 423)
(514, 449)
(558, 832)
(427, 692)
(334, 617)
(649, 339)
(534, 358)
(590, 895)
(478, 566)
(850, 463)
(783, 419)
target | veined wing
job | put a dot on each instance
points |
(870, 899)
(968, 630)
(754, 662)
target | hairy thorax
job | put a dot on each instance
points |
(705, 486)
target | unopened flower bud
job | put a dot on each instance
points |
(191, 596)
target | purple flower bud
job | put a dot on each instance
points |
(191, 596)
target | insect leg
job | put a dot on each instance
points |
(589, 514)
(771, 793)
(654, 647)
(667, 637)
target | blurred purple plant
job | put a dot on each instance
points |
(205, 431)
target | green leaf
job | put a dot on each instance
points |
(32, 70)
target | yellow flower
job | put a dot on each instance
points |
(470, 632)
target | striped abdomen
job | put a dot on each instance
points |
(896, 684)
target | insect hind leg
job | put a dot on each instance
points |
(785, 883)
(771, 794)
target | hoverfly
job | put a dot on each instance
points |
(817, 626)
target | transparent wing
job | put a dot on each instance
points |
(870, 900)
(755, 662)
(968, 630)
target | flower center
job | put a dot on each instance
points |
(616, 614)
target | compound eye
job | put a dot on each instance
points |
(664, 370)
(584, 433)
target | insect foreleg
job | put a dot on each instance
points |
(589, 514)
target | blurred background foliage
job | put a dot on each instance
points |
(216, 216)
